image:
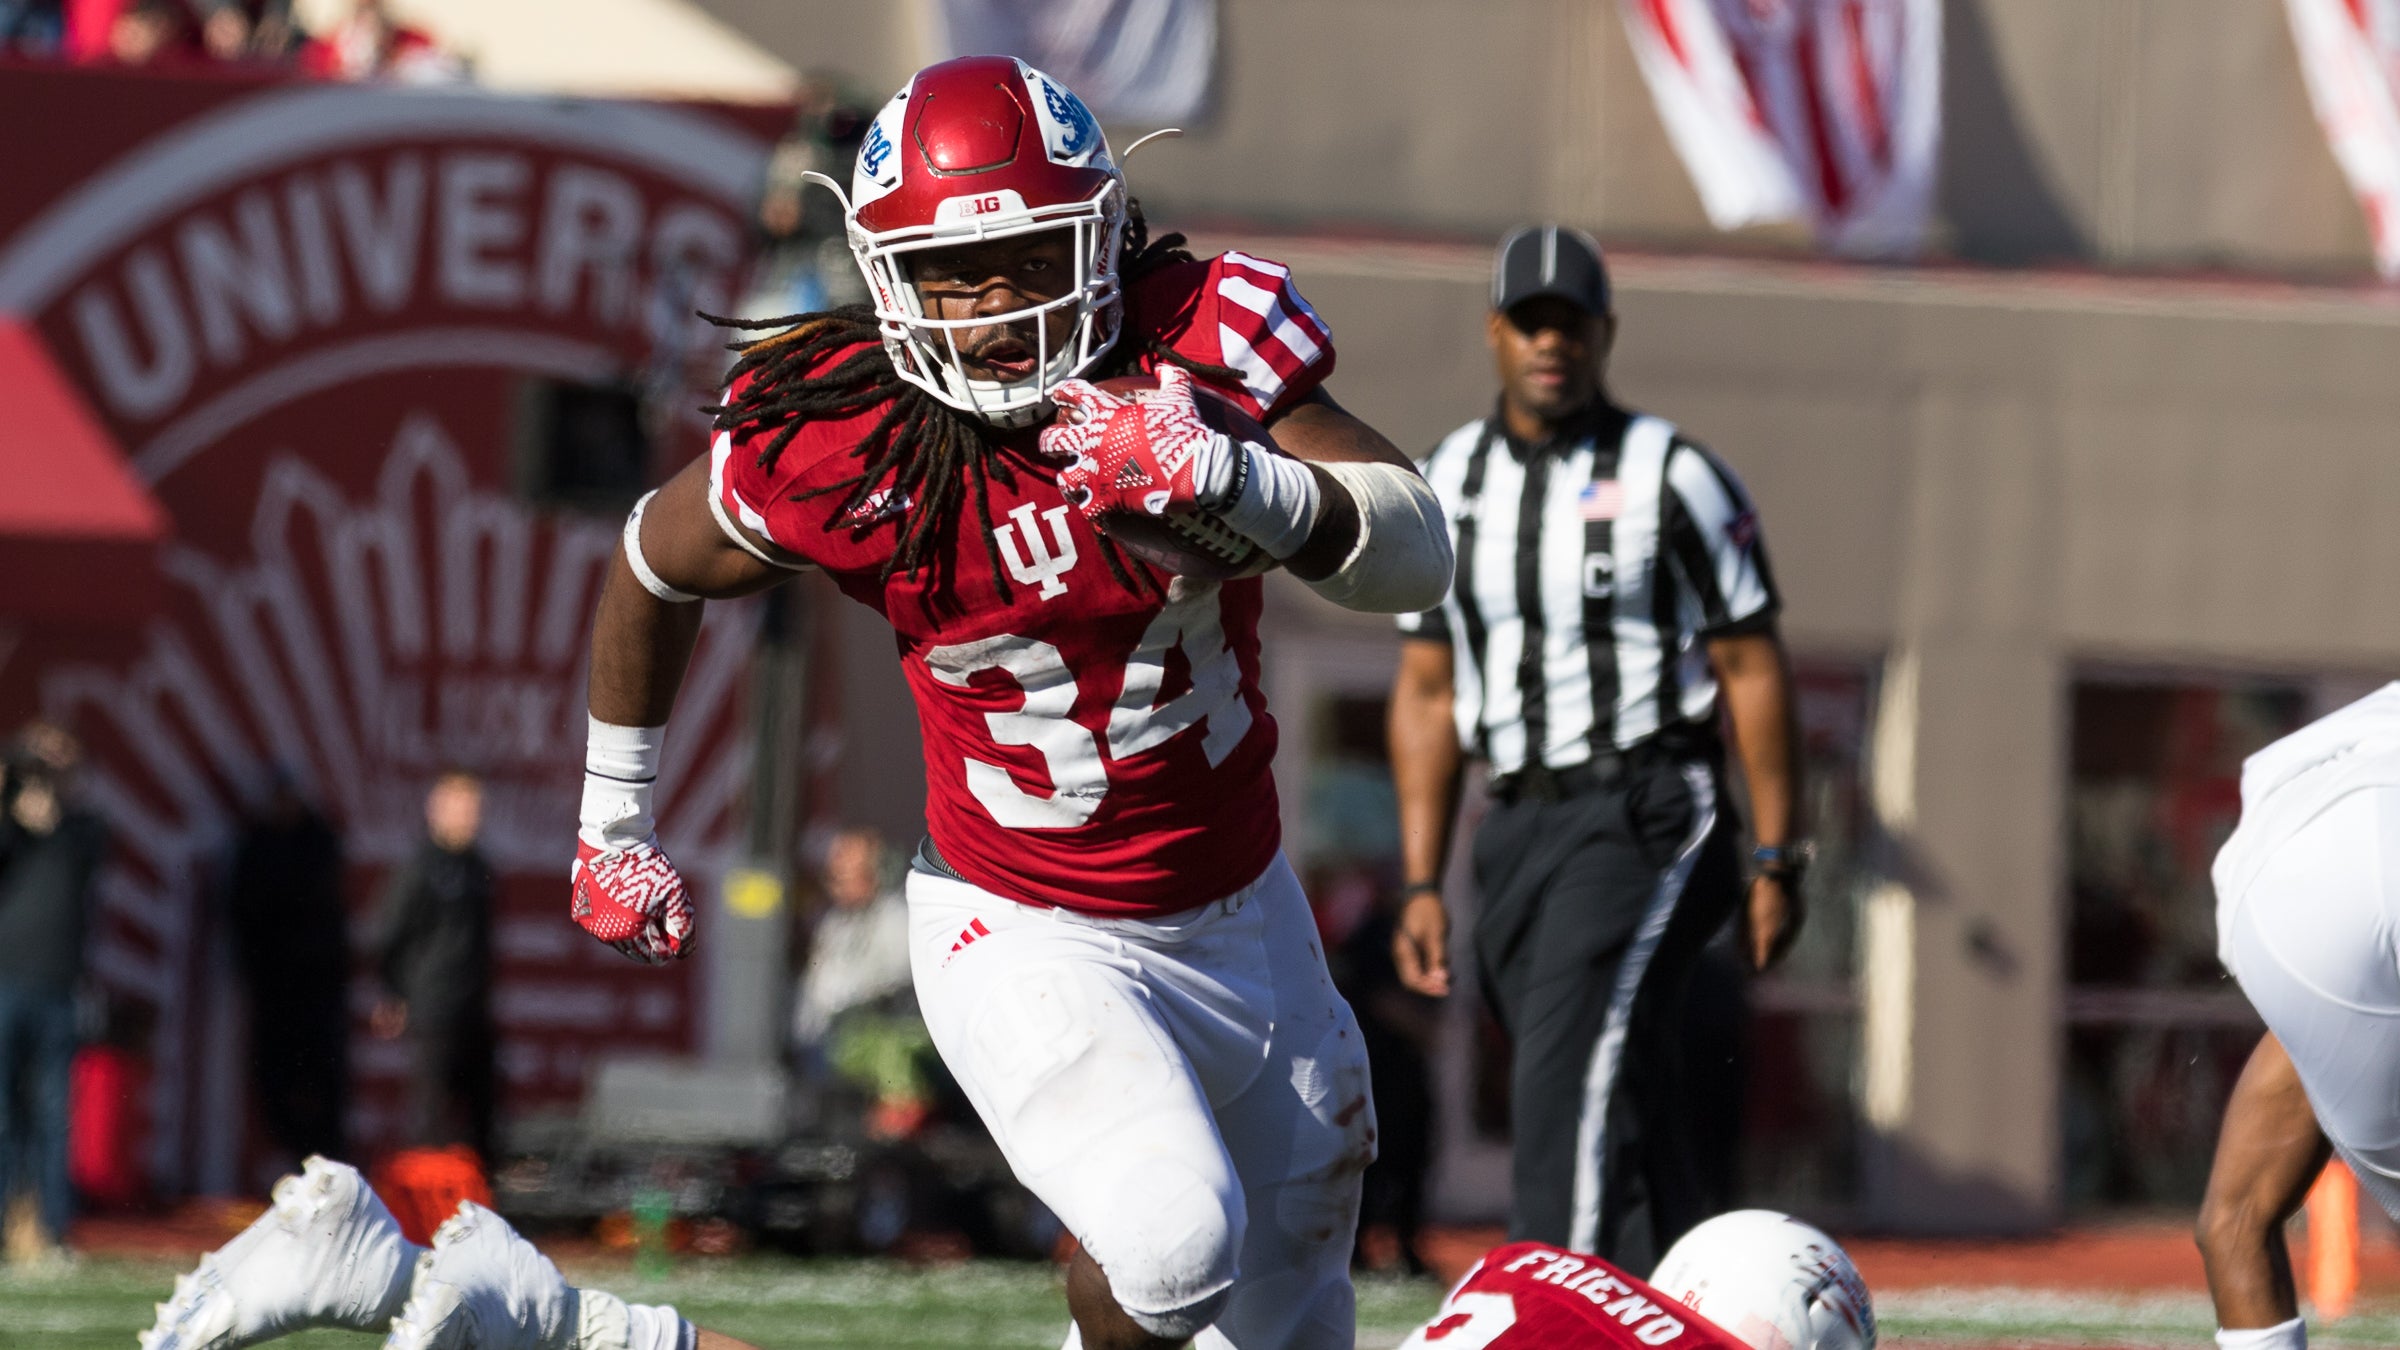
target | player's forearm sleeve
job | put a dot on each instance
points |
(2292, 1335)
(1402, 561)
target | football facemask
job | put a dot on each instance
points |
(986, 148)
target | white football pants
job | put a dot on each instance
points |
(2315, 943)
(1187, 1094)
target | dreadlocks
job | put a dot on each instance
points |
(935, 454)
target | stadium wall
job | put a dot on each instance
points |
(2145, 133)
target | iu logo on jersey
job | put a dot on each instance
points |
(1040, 562)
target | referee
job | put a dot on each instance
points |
(1612, 591)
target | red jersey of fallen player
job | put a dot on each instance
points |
(1527, 1296)
(1087, 745)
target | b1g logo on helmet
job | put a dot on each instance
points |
(1068, 128)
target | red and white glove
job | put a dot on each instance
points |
(1158, 457)
(626, 893)
(634, 900)
(1154, 457)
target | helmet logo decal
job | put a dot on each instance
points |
(876, 150)
(1074, 118)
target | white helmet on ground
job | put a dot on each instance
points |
(1772, 1281)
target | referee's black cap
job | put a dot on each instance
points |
(1555, 260)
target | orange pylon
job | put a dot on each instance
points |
(2333, 1242)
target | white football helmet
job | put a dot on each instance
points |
(1772, 1281)
(986, 147)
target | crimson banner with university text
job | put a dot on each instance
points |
(311, 314)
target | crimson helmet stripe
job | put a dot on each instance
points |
(969, 128)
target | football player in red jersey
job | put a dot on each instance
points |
(1113, 957)
(1749, 1280)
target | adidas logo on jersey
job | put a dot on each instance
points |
(967, 936)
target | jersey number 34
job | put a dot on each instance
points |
(1073, 754)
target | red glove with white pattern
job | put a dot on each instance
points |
(634, 900)
(1153, 458)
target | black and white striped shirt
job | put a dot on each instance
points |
(1564, 542)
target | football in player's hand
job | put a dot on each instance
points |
(1193, 544)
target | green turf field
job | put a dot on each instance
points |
(772, 1303)
(991, 1306)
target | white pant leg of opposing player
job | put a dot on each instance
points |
(2315, 942)
(325, 1254)
(1163, 1087)
(482, 1286)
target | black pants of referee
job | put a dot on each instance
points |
(1596, 906)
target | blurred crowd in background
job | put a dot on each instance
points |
(365, 42)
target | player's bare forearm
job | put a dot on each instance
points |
(718, 1340)
(640, 646)
(2269, 1151)
(1321, 431)
(640, 643)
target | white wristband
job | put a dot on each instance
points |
(620, 765)
(2292, 1335)
(641, 566)
(1278, 503)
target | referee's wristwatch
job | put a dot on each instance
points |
(1784, 862)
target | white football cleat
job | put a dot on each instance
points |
(325, 1254)
(483, 1287)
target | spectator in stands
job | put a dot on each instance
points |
(283, 903)
(857, 1010)
(31, 27)
(247, 30)
(132, 32)
(372, 45)
(804, 260)
(434, 953)
(50, 853)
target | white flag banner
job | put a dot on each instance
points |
(2350, 50)
(1823, 111)
(1143, 61)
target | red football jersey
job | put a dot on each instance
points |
(1087, 745)
(1527, 1296)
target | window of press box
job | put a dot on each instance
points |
(585, 447)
